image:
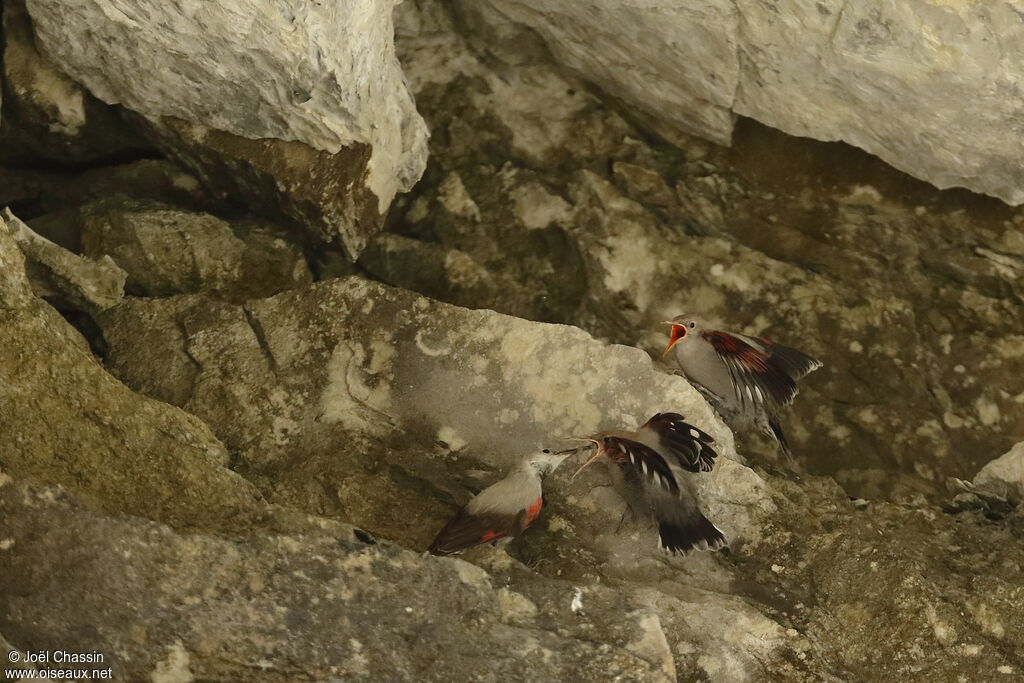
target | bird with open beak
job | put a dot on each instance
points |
(648, 468)
(504, 509)
(747, 379)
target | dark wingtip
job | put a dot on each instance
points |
(780, 436)
(701, 534)
(437, 549)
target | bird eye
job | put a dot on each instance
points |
(546, 451)
(692, 324)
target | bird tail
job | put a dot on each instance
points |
(779, 435)
(697, 533)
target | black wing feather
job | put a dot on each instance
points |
(761, 377)
(643, 459)
(466, 530)
(794, 363)
(693, 448)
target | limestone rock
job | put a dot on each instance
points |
(67, 421)
(296, 91)
(675, 63)
(45, 112)
(283, 381)
(168, 251)
(1004, 476)
(366, 403)
(908, 298)
(309, 601)
(82, 284)
(938, 109)
(157, 180)
(322, 194)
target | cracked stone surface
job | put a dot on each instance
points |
(294, 91)
(78, 283)
(168, 251)
(231, 472)
(69, 422)
(909, 298)
(45, 113)
(937, 109)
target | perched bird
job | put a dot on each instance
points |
(502, 510)
(748, 380)
(648, 474)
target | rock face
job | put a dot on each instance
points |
(67, 421)
(911, 304)
(291, 92)
(937, 109)
(392, 370)
(675, 63)
(46, 113)
(310, 601)
(168, 251)
(78, 283)
(1004, 476)
(366, 403)
(240, 483)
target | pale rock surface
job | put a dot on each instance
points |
(909, 298)
(375, 406)
(389, 365)
(928, 85)
(46, 112)
(268, 83)
(35, 80)
(79, 283)
(1004, 476)
(674, 62)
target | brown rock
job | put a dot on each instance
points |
(66, 421)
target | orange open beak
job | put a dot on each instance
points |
(592, 458)
(677, 333)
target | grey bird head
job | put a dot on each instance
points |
(685, 330)
(545, 462)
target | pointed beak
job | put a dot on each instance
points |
(677, 332)
(592, 458)
(573, 450)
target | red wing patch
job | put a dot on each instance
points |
(759, 380)
(733, 347)
(465, 531)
